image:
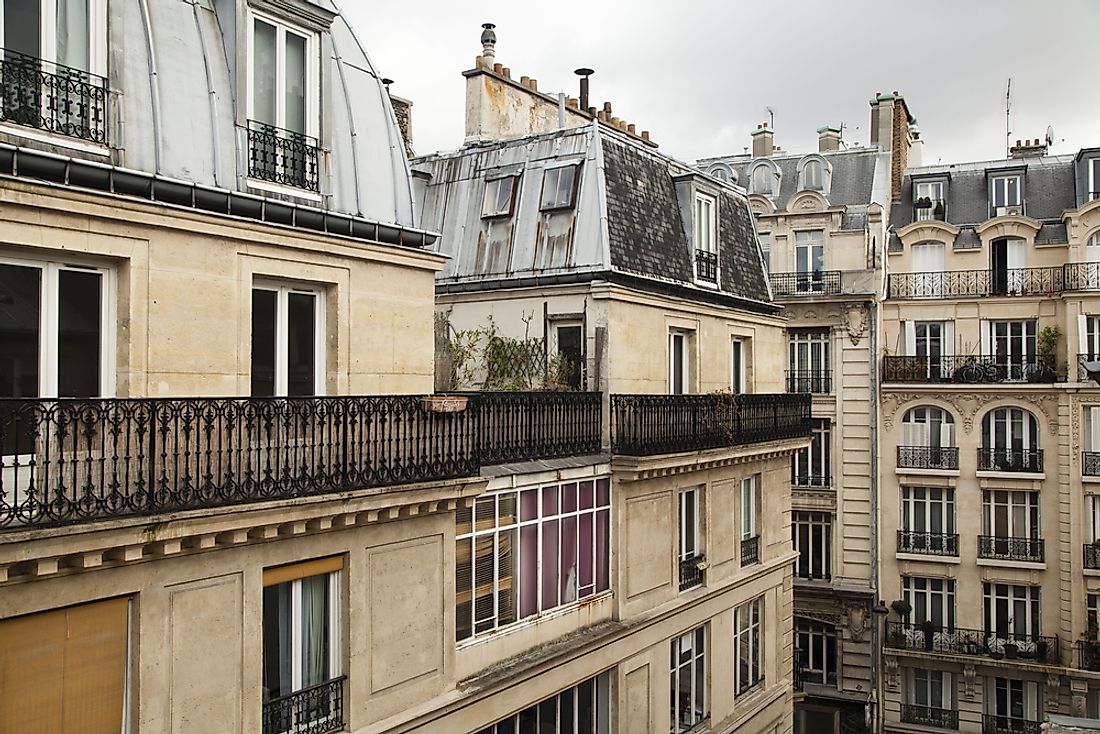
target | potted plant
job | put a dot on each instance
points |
(1041, 650)
(444, 403)
(1011, 649)
(1046, 347)
(903, 608)
(928, 627)
(923, 202)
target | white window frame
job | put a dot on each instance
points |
(809, 360)
(692, 645)
(812, 466)
(1001, 185)
(678, 343)
(295, 623)
(1021, 603)
(1092, 516)
(769, 172)
(1088, 333)
(748, 629)
(933, 191)
(555, 172)
(807, 181)
(929, 684)
(919, 427)
(750, 506)
(97, 33)
(48, 324)
(690, 545)
(806, 244)
(313, 81)
(737, 365)
(1015, 692)
(1027, 429)
(814, 640)
(928, 510)
(817, 527)
(490, 208)
(1094, 180)
(1014, 504)
(282, 291)
(706, 223)
(765, 239)
(937, 596)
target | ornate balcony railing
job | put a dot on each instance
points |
(750, 551)
(1082, 276)
(1090, 463)
(314, 710)
(928, 457)
(1091, 559)
(929, 716)
(976, 283)
(53, 97)
(970, 369)
(959, 641)
(283, 156)
(1026, 460)
(1088, 655)
(811, 481)
(644, 425)
(691, 574)
(818, 382)
(817, 283)
(1010, 549)
(706, 266)
(997, 724)
(929, 544)
(522, 426)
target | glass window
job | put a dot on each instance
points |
(811, 533)
(766, 250)
(1011, 610)
(706, 223)
(500, 194)
(1094, 179)
(809, 247)
(567, 366)
(748, 670)
(737, 365)
(928, 510)
(762, 178)
(813, 177)
(287, 344)
(583, 709)
(677, 363)
(809, 361)
(689, 680)
(812, 466)
(930, 599)
(284, 87)
(690, 547)
(1008, 514)
(558, 187)
(928, 201)
(68, 32)
(816, 642)
(750, 506)
(1006, 195)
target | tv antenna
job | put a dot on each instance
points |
(771, 118)
(1008, 110)
(1050, 135)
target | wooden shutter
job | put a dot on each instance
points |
(64, 671)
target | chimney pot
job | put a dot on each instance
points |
(534, 85)
(498, 68)
(607, 107)
(592, 111)
(488, 41)
(645, 135)
(631, 129)
(507, 72)
(524, 79)
(584, 72)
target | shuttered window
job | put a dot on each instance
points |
(64, 671)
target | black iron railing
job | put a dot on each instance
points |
(283, 156)
(929, 716)
(1081, 276)
(817, 283)
(928, 457)
(819, 382)
(1010, 549)
(314, 710)
(750, 551)
(929, 544)
(976, 283)
(706, 266)
(959, 641)
(53, 97)
(997, 724)
(1090, 463)
(1088, 655)
(1091, 553)
(1024, 460)
(811, 481)
(970, 369)
(522, 426)
(644, 425)
(691, 573)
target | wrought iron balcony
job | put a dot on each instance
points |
(818, 382)
(959, 641)
(283, 156)
(1090, 463)
(1088, 655)
(645, 425)
(706, 266)
(798, 665)
(1010, 549)
(314, 710)
(691, 575)
(929, 716)
(928, 457)
(976, 283)
(929, 544)
(1091, 559)
(524, 426)
(53, 97)
(970, 369)
(1082, 276)
(997, 724)
(816, 283)
(1009, 460)
(750, 551)
(811, 481)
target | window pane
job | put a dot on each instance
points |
(315, 630)
(72, 33)
(263, 343)
(301, 344)
(263, 73)
(22, 19)
(20, 314)
(277, 646)
(78, 333)
(295, 71)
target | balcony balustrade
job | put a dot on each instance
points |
(1090, 463)
(817, 283)
(1088, 655)
(1010, 549)
(997, 724)
(928, 457)
(317, 709)
(54, 98)
(811, 481)
(750, 551)
(818, 382)
(929, 716)
(1091, 556)
(969, 369)
(959, 641)
(1009, 460)
(929, 544)
(283, 156)
(976, 283)
(691, 573)
(706, 266)
(525, 426)
(1082, 276)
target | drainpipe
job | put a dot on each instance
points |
(154, 83)
(876, 618)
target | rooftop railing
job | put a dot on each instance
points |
(523, 426)
(960, 641)
(53, 97)
(968, 369)
(283, 156)
(816, 283)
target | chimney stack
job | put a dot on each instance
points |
(584, 73)
(828, 138)
(763, 141)
(1028, 149)
(488, 44)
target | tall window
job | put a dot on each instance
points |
(1089, 328)
(555, 552)
(931, 689)
(928, 201)
(930, 599)
(689, 680)
(55, 330)
(766, 249)
(288, 329)
(813, 175)
(567, 366)
(284, 88)
(809, 361)
(706, 223)
(559, 186)
(1013, 345)
(762, 178)
(750, 510)
(1011, 610)
(1010, 441)
(737, 365)
(678, 364)
(1007, 260)
(928, 518)
(584, 709)
(1007, 514)
(302, 649)
(928, 426)
(927, 265)
(817, 643)
(690, 548)
(1006, 195)
(811, 533)
(69, 32)
(809, 258)
(748, 669)
(1014, 699)
(1094, 179)
(811, 466)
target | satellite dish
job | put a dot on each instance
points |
(1050, 136)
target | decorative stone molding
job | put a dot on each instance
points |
(891, 673)
(967, 405)
(929, 230)
(819, 615)
(970, 682)
(808, 201)
(1011, 225)
(1050, 696)
(857, 622)
(856, 322)
(1079, 690)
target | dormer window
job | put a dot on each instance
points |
(500, 196)
(1006, 196)
(813, 176)
(928, 201)
(559, 187)
(763, 179)
(706, 238)
(1094, 179)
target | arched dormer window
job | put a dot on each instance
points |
(722, 172)
(764, 179)
(814, 174)
(1010, 441)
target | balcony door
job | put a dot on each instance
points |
(931, 599)
(928, 263)
(1012, 344)
(809, 255)
(932, 689)
(1007, 515)
(1011, 611)
(1014, 699)
(1006, 262)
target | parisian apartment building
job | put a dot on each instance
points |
(299, 436)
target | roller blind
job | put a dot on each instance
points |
(295, 571)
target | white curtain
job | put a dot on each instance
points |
(72, 34)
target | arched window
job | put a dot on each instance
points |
(762, 179)
(1010, 441)
(722, 172)
(813, 174)
(928, 439)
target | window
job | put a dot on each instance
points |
(737, 365)
(288, 329)
(928, 201)
(811, 467)
(56, 330)
(762, 179)
(809, 252)
(927, 426)
(931, 599)
(928, 521)
(301, 646)
(567, 365)
(1007, 514)
(750, 510)
(932, 689)
(706, 238)
(929, 342)
(678, 365)
(1088, 328)
(555, 552)
(1006, 195)
(65, 670)
(500, 196)
(1011, 610)
(748, 670)
(690, 551)
(1013, 346)
(584, 709)
(1010, 441)
(1007, 260)
(814, 173)
(689, 680)
(811, 533)
(1094, 179)
(1014, 701)
(766, 250)
(559, 185)
(1092, 616)
(808, 361)
(817, 644)
(928, 262)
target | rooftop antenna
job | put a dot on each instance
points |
(843, 142)
(1050, 135)
(771, 118)
(1008, 109)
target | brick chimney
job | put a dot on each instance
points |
(763, 141)
(1028, 149)
(894, 130)
(828, 138)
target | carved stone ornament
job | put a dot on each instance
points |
(891, 671)
(856, 321)
(857, 622)
(1050, 696)
(1079, 690)
(818, 615)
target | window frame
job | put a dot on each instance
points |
(769, 171)
(921, 506)
(689, 504)
(938, 596)
(1028, 595)
(737, 365)
(1000, 185)
(98, 42)
(680, 337)
(765, 240)
(696, 665)
(1012, 502)
(554, 204)
(1094, 180)
(935, 190)
(818, 638)
(283, 289)
(818, 455)
(496, 212)
(748, 629)
(312, 71)
(815, 528)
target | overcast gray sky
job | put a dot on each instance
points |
(699, 73)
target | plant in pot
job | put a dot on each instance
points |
(929, 628)
(1046, 347)
(1011, 649)
(902, 608)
